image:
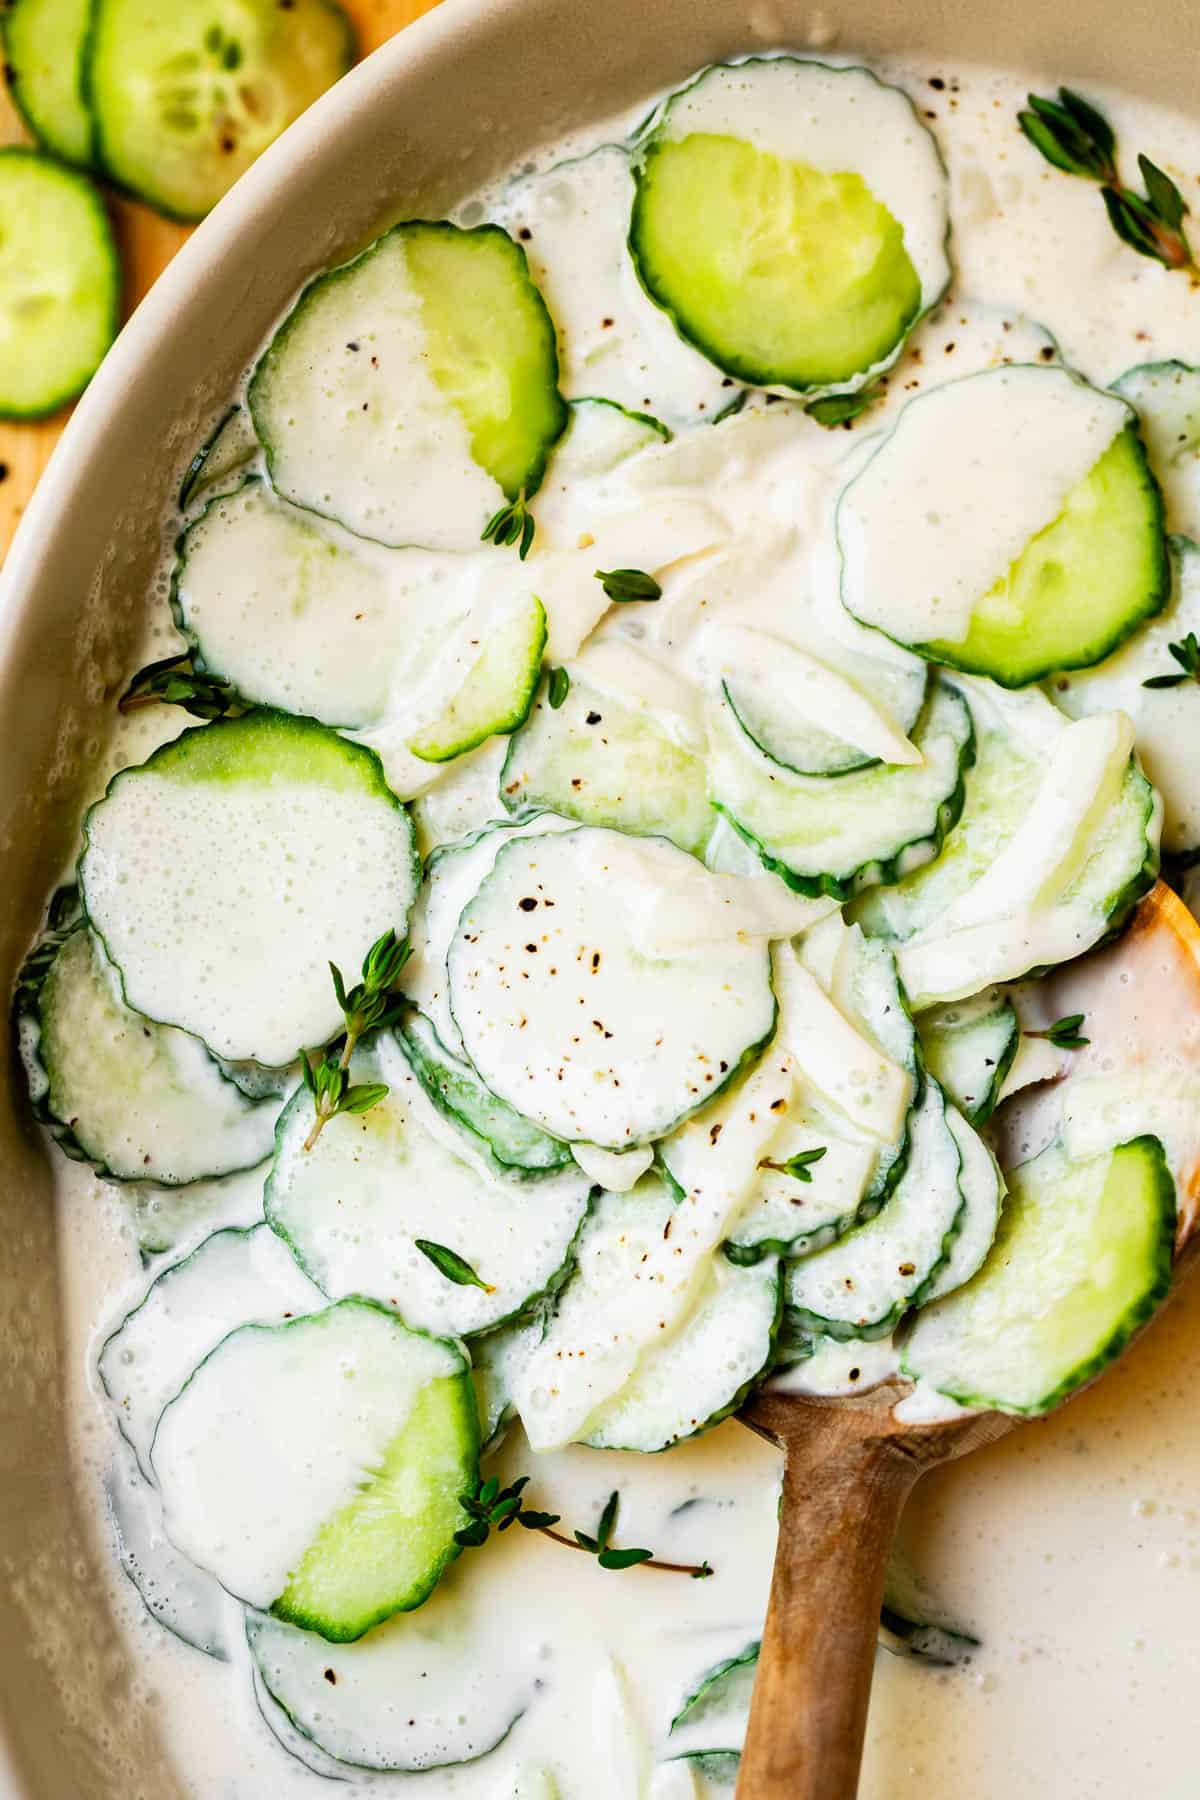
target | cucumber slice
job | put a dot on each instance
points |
(513, 1145)
(412, 392)
(1081, 1260)
(612, 340)
(643, 1259)
(969, 1047)
(600, 436)
(792, 707)
(138, 1101)
(223, 455)
(497, 1358)
(791, 219)
(1073, 511)
(792, 1217)
(452, 877)
(331, 1516)
(1165, 720)
(726, 1687)
(498, 690)
(837, 1366)
(913, 1623)
(602, 762)
(862, 1285)
(691, 1380)
(1115, 863)
(838, 838)
(44, 45)
(983, 1189)
(354, 1208)
(60, 279)
(414, 1695)
(570, 1021)
(234, 1277)
(1166, 398)
(1100, 1112)
(292, 613)
(226, 872)
(186, 96)
(180, 1597)
(1000, 789)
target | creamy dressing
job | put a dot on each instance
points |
(1072, 1548)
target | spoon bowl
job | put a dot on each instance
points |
(850, 1463)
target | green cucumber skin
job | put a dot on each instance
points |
(260, 713)
(1159, 592)
(630, 412)
(179, 564)
(159, 202)
(881, 872)
(13, 82)
(334, 1636)
(44, 409)
(425, 1070)
(1128, 1328)
(848, 768)
(513, 720)
(747, 371)
(528, 1307)
(261, 372)
(736, 1400)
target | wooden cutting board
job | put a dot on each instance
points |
(147, 245)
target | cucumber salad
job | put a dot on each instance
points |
(657, 679)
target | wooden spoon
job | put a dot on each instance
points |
(850, 1463)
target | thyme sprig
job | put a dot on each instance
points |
(368, 1006)
(1064, 1034)
(492, 1508)
(1076, 138)
(623, 585)
(557, 688)
(174, 682)
(454, 1267)
(798, 1166)
(513, 524)
(1187, 655)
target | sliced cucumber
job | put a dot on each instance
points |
(498, 689)
(183, 1599)
(913, 1623)
(729, 1684)
(969, 1047)
(837, 1366)
(221, 458)
(1166, 398)
(603, 762)
(497, 1358)
(1100, 1112)
(1073, 511)
(512, 1143)
(862, 1285)
(791, 219)
(60, 283)
(224, 874)
(643, 1259)
(837, 1045)
(612, 340)
(186, 96)
(792, 1216)
(838, 838)
(1165, 719)
(293, 613)
(414, 1695)
(1115, 864)
(355, 1207)
(234, 1277)
(805, 715)
(138, 1101)
(1081, 1260)
(413, 392)
(452, 877)
(692, 1379)
(569, 1020)
(44, 46)
(331, 1515)
(983, 1189)
(600, 436)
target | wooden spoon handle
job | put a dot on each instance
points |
(842, 1496)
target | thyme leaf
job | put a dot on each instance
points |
(371, 1005)
(449, 1263)
(173, 682)
(558, 688)
(489, 1507)
(512, 524)
(1064, 1034)
(1187, 654)
(623, 585)
(798, 1166)
(838, 409)
(1074, 137)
